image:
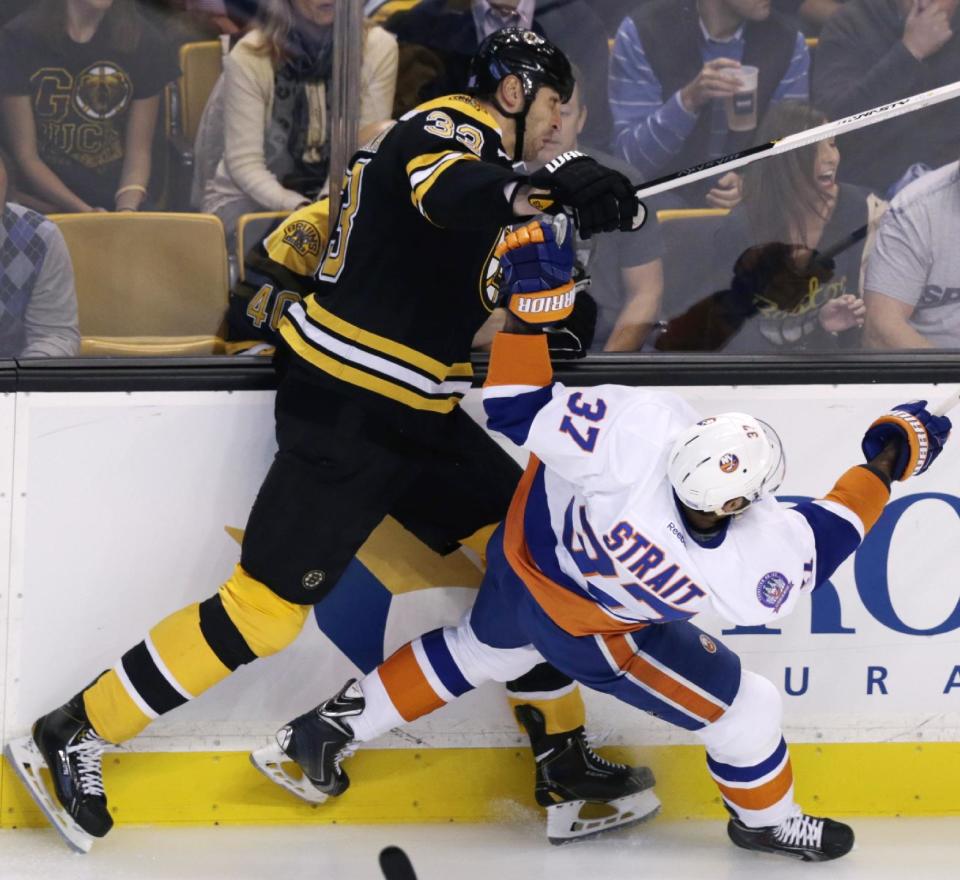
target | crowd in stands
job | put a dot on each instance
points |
(862, 230)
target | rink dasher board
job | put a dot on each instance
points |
(114, 513)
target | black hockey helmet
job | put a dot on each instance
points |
(525, 54)
(533, 59)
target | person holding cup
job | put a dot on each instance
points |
(691, 79)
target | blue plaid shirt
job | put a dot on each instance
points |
(649, 127)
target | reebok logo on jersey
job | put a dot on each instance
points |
(671, 527)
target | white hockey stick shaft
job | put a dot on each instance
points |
(801, 139)
(947, 404)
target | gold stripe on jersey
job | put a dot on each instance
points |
(465, 104)
(426, 160)
(426, 173)
(396, 350)
(360, 378)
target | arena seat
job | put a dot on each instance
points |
(200, 65)
(687, 244)
(252, 228)
(150, 283)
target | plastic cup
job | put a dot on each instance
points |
(742, 107)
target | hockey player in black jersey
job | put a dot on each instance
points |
(367, 417)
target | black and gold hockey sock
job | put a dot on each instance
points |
(189, 652)
(556, 697)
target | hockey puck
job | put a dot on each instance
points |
(395, 864)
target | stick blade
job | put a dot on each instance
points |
(395, 864)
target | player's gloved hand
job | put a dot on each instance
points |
(920, 433)
(536, 284)
(600, 199)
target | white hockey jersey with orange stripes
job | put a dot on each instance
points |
(596, 532)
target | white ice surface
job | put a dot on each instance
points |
(887, 849)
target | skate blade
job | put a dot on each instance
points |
(271, 761)
(27, 762)
(568, 822)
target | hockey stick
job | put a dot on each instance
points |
(800, 139)
(947, 404)
(395, 864)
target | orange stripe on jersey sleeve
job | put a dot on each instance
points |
(863, 492)
(407, 686)
(519, 359)
(574, 614)
(660, 682)
(763, 796)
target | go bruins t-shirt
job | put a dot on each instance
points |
(81, 94)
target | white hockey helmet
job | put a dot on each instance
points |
(732, 455)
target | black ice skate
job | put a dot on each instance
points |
(307, 755)
(68, 746)
(584, 794)
(801, 836)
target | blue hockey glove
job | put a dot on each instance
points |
(922, 436)
(536, 284)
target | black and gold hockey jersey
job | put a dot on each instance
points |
(409, 275)
(278, 271)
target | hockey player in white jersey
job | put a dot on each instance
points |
(634, 514)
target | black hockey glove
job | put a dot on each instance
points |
(600, 199)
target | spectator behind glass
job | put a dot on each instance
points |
(625, 268)
(192, 20)
(673, 64)
(12, 8)
(38, 300)
(81, 83)
(795, 199)
(613, 12)
(913, 277)
(875, 52)
(265, 130)
(439, 37)
(812, 15)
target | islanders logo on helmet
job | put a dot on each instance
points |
(729, 463)
(773, 589)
